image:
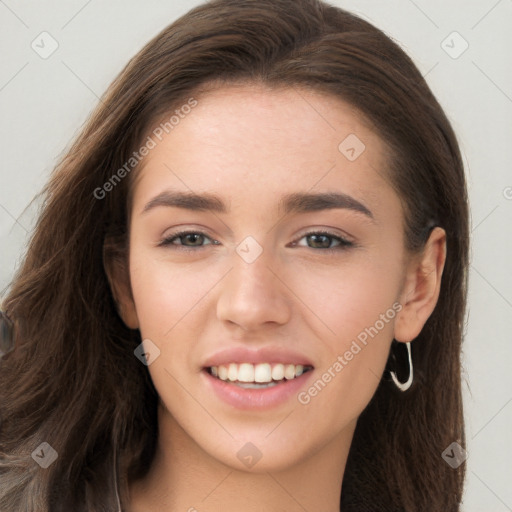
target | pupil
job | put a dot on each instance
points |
(325, 238)
(192, 235)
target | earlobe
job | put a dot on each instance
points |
(422, 287)
(116, 270)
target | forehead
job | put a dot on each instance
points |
(249, 142)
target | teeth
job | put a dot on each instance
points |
(289, 371)
(259, 373)
(246, 373)
(277, 372)
(263, 373)
(233, 372)
(253, 385)
(223, 372)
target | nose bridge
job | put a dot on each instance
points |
(251, 294)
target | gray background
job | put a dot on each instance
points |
(45, 101)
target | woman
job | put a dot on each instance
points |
(247, 284)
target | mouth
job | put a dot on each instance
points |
(255, 380)
(257, 376)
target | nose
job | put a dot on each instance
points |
(254, 295)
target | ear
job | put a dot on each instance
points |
(421, 288)
(115, 263)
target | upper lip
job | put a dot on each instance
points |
(263, 355)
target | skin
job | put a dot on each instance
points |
(250, 145)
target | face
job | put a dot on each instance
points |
(269, 277)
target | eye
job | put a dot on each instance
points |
(320, 239)
(194, 237)
(323, 239)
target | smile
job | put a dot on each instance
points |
(258, 386)
(256, 376)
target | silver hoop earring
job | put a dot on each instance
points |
(404, 386)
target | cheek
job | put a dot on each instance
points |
(166, 294)
(168, 300)
(357, 307)
(349, 297)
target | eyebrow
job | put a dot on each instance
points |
(297, 202)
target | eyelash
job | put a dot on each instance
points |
(168, 241)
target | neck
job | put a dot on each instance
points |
(183, 477)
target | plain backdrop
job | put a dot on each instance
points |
(463, 49)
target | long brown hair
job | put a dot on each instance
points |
(71, 378)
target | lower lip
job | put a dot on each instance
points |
(249, 399)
